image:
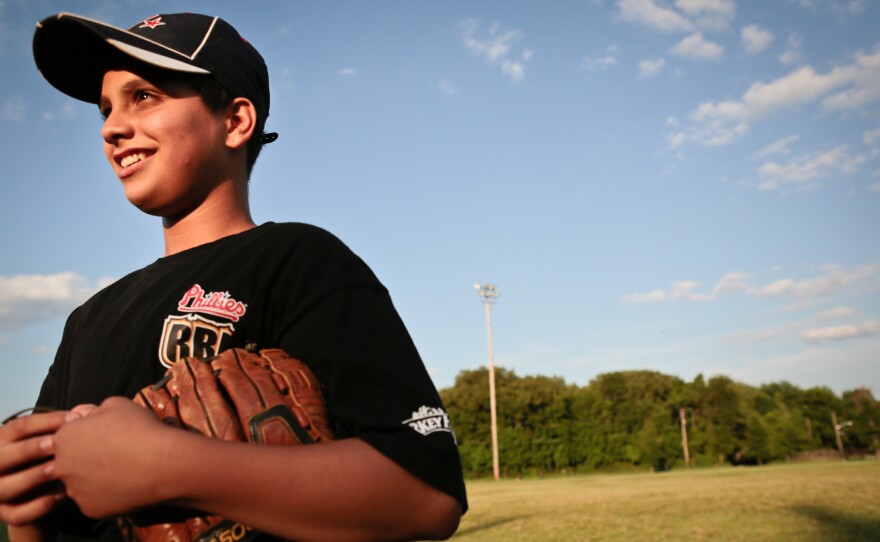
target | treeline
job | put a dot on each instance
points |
(633, 419)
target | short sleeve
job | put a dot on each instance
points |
(376, 386)
(53, 391)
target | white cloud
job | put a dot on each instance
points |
(14, 110)
(809, 167)
(755, 337)
(792, 54)
(734, 281)
(650, 67)
(26, 299)
(599, 63)
(649, 13)
(686, 16)
(695, 7)
(697, 47)
(796, 306)
(678, 291)
(676, 139)
(855, 7)
(835, 280)
(684, 290)
(709, 14)
(840, 6)
(755, 39)
(781, 146)
(67, 111)
(446, 87)
(514, 69)
(836, 312)
(720, 123)
(871, 137)
(841, 332)
(349, 72)
(497, 47)
(790, 57)
(875, 186)
(865, 77)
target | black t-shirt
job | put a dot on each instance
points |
(291, 286)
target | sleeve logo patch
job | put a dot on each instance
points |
(427, 420)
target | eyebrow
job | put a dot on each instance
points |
(129, 86)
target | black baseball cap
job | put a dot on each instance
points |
(73, 53)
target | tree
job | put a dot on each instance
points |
(817, 404)
(631, 419)
(724, 420)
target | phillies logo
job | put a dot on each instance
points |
(213, 303)
(196, 335)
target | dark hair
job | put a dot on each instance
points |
(217, 98)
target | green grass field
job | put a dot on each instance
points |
(815, 502)
(804, 502)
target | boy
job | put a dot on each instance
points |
(185, 99)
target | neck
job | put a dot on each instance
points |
(220, 216)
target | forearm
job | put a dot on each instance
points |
(342, 490)
(29, 533)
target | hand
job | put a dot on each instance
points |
(108, 458)
(28, 486)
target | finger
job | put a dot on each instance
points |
(34, 424)
(17, 455)
(32, 510)
(19, 485)
(84, 409)
(25, 412)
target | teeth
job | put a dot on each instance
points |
(131, 159)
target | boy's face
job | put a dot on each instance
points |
(168, 149)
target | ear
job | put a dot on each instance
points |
(241, 120)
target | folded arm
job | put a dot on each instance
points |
(340, 490)
(28, 490)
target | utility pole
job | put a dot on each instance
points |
(837, 428)
(809, 429)
(684, 438)
(488, 293)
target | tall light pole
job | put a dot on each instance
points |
(488, 293)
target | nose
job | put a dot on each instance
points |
(116, 126)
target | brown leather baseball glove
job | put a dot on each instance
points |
(264, 397)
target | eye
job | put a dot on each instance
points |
(104, 112)
(141, 95)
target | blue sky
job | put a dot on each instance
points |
(687, 186)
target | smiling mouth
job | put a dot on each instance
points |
(132, 158)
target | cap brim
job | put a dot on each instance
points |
(73, 53)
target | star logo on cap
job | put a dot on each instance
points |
(152, 22)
